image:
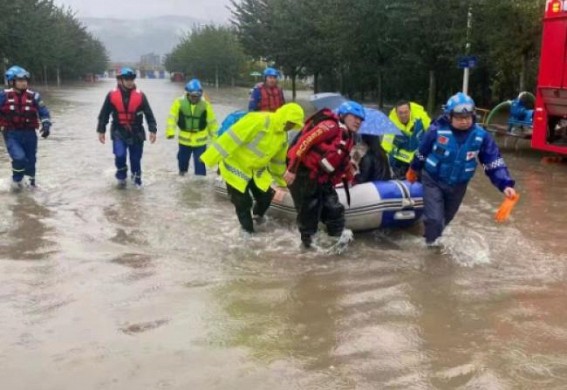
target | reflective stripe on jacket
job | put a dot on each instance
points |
(403, 147)
(254, 148)
(19, 110)
(197, 124)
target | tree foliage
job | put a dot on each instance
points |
(402, 49)
(210, 53)
(47, 39)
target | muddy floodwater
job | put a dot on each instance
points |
(102, 288)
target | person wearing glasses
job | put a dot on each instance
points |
(447, 159)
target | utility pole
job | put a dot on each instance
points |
(466, 73)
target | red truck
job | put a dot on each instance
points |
(550, 114)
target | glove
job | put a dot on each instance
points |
(45, 130)
(505, 208)
(411, 176)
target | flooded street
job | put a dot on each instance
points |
(131, 289)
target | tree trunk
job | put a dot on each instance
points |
(523, 72)
(432, 92)
(217, 77)
(58, 78)
(379, 91)
(316, 82)
(293, 92)
(342, 80)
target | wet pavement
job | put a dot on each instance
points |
(103, 288)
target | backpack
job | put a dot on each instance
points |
(312, 121)
(230, 120)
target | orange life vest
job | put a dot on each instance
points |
(270, 98)
(126, 115)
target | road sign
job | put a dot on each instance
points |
(467, 62)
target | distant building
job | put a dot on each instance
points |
(150, 61)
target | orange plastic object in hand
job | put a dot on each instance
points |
(411, 176)
(505, 208)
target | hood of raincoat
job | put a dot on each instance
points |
(290, 112)
(417, 112)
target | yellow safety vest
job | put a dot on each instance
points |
(196, 122)
(403, 147)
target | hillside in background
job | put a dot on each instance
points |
(126, 40)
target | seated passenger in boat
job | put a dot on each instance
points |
(374, 164)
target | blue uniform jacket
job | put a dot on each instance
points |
(255, 97)
(44, 116)
(489, 156)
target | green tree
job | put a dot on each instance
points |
(48, 40)
(403, 49)
(210, 53)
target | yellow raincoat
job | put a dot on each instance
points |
(403, 147)
(255, 148)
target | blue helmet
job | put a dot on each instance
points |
(460, 104)
(126, 72)
(271, 72)
(194, 87)
(17, 72)
(353, 108)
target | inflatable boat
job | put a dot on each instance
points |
(379, 204)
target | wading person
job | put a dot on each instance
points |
(267, 96)
(318, 160)
(195, 119)
(448, 157)
(251, 156)
(128, 106)
(22, 112)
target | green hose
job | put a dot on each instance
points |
(506, 104)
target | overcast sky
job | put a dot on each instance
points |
(208, 10)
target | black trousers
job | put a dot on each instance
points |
(316, 202)
(243, 203)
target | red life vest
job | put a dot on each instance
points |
(126, 116)
(270, 98)
(19, 110)
(323, 146)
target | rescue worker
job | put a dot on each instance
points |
(21, 112)
(521, 110)
(413, 121)
(267, 96)
(319, 160)
(194, 117)
(127, 105)
(373, 165)
(251, 155)
(448, 157)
